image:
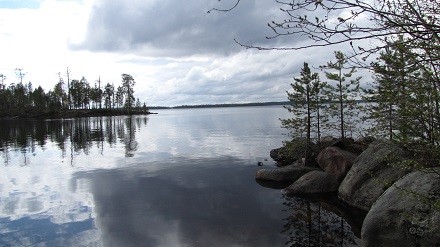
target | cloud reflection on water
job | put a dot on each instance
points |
(193, 202)
(183, 177)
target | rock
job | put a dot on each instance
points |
(349, 144)
(277, 185)
(276, 155)
(371, 175)
(291, 152)
(407, 214)
(336, 162)
(367, 139)
(329, 139)
(313, 182)
(286, 173)
(342, 143)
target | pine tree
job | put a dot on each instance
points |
(305, 105)
(128, 89)
(343, 92)
(405, 95)
(109, 92)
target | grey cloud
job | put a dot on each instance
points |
(178, 28)
(248, 76)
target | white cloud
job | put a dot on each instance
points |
(177, 53)
(37, 39)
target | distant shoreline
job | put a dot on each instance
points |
(270, 103)
(221, 105)
(96, 112)
(77, 113)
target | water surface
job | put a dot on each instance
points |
(180, 178)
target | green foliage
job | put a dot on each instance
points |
(119, 100)
(343, 91)
(406, 95)
(21, 100)
(294, 149)
(109, 92)
(128, 91)
(305, 105)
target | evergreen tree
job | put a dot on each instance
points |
(80, 92)
(138, 104)
(405, 94)
(304, 105)
(96, 94)
(75, 93)
(109, 91)
(387, 92)
(343, 92)
(59, 93)
(20, 97)
(119, 97)
(128, 89)
(39, 99)
(320, 101)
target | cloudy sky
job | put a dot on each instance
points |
(176, 51)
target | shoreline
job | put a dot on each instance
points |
(75, 113)
(392, 203)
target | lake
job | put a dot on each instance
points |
(179, 178)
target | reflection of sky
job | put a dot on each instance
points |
(36, 189)
(192, 202)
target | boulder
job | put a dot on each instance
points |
(291, 151)
(371, 174)
(349, 144)
(342, 143)
(313, 182)
(285, 173)
(367, 139)
(277, 155)
(336, 162)
(407, 214)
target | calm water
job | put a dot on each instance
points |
(180, 178)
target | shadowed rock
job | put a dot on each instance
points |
(407, 214)
(313, 182)
(371, 174)
(293, 151)
(286, 173)
(336, 162)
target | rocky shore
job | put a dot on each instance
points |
(401, 205)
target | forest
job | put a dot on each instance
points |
(68, 98)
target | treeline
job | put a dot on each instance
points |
(20, 98)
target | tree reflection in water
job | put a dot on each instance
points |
(79, 134)
(319, 223)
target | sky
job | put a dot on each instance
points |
(177, 53)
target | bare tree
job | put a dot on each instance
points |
(20, 74)
(2, 81)
(332, 22)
